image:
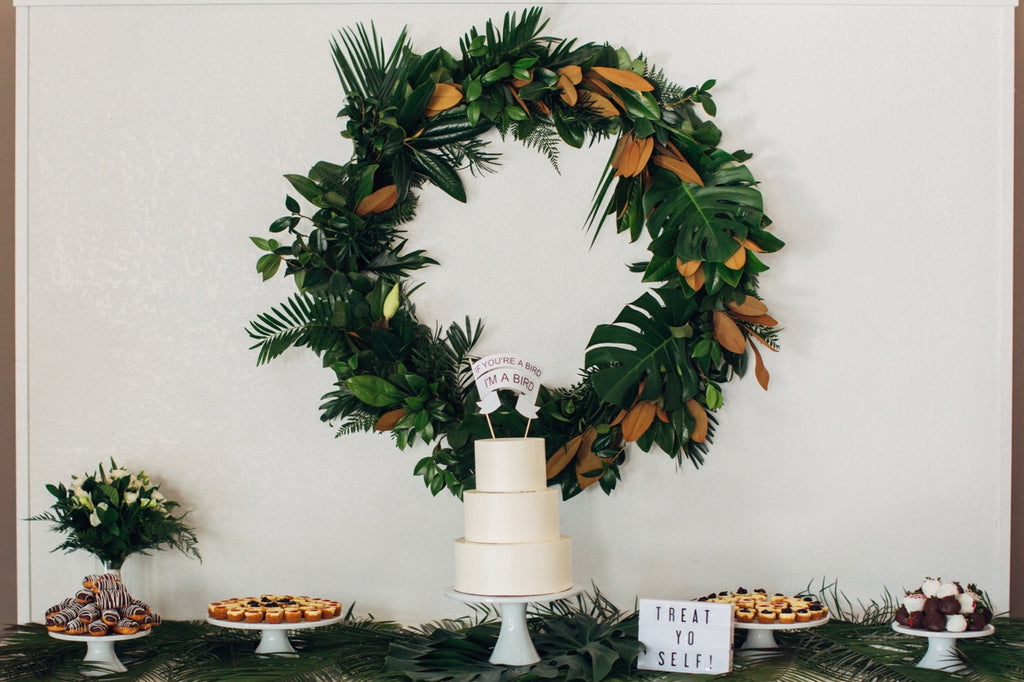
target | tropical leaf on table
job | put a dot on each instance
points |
(644, 345)
(302, 320)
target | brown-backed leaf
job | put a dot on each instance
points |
(764, 320)
(662, 414)
(388, 420)
(626, 79)
(619, 417)
(750, 306)
(700, 429)
(586, 460)
(646, 147)
(520, 82)
(752, 246)
(597, 85)
(573, 72)
(629, 158)
(737, 260)
(696, 280)
(688, 268)
(567, 91)
(378, 202)
(681, 167)
(515, 94)
(760, 371)
(445, 97)
(638, 420)
(728, 333)
(620, 147)
(562, 456)
(598, 104)
(542, 108)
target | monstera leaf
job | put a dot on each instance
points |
(646, 345)
(707, 220)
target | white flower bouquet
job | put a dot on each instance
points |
(114, 514)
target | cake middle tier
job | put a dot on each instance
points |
(516, 569)
(511, 517)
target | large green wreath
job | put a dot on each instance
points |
(652, 377)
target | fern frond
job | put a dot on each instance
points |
(543, 138)
(300, 321)
(359, 422)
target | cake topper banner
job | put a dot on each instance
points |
(503, 371)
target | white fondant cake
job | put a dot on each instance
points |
(512, 544)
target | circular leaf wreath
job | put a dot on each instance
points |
(651, 377)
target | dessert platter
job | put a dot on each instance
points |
(943, 612)
(513, 552)
(761, 614)
(274, 615)
(101, 614)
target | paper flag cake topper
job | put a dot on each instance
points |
(507, 372)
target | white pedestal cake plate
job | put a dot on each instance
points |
(274, 637)
(942, 654)
(99, 651)
(762, 635)
(514, 646)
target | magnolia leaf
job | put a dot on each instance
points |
(638, 420)
(750, 306)
(587, 463)
(737, 260)
(700, 430)
(572, 72)
(696, 280)
(561, 457)
(388, 420)
(760, 371)
(764, 320)
(626, 79)
(728, 333)
(597, 103)
(445, 97)
(567, 91)
(441, 174)
(378, 201)
(681, 167)
(689, 268)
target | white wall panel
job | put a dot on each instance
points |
(156, 139)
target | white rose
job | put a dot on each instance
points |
(130, 497)
(94, 518)
(158, 496)
(84, 501)
(118, 473)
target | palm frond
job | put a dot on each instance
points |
(363, 67)
(302, 320)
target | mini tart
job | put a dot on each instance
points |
(292, 614)
(817, 612)
(253, 616)
(745, 615)
(275, 616)
(330, 610)
(803, 615)
(787, 616)
(312, 614)
(236, 615)
(766, 616)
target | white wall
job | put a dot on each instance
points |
(153, 143)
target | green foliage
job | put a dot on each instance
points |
(113, 514)
(417, 119)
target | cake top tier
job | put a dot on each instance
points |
(508, 465)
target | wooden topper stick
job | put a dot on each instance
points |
(525, 435)
(490, 425)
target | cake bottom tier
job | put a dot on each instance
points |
(513, 570)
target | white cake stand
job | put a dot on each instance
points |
(99, 651)
(762, 635)
(274, 637)
(942, 653)
(514, 646)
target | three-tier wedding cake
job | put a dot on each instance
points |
(512, 544)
